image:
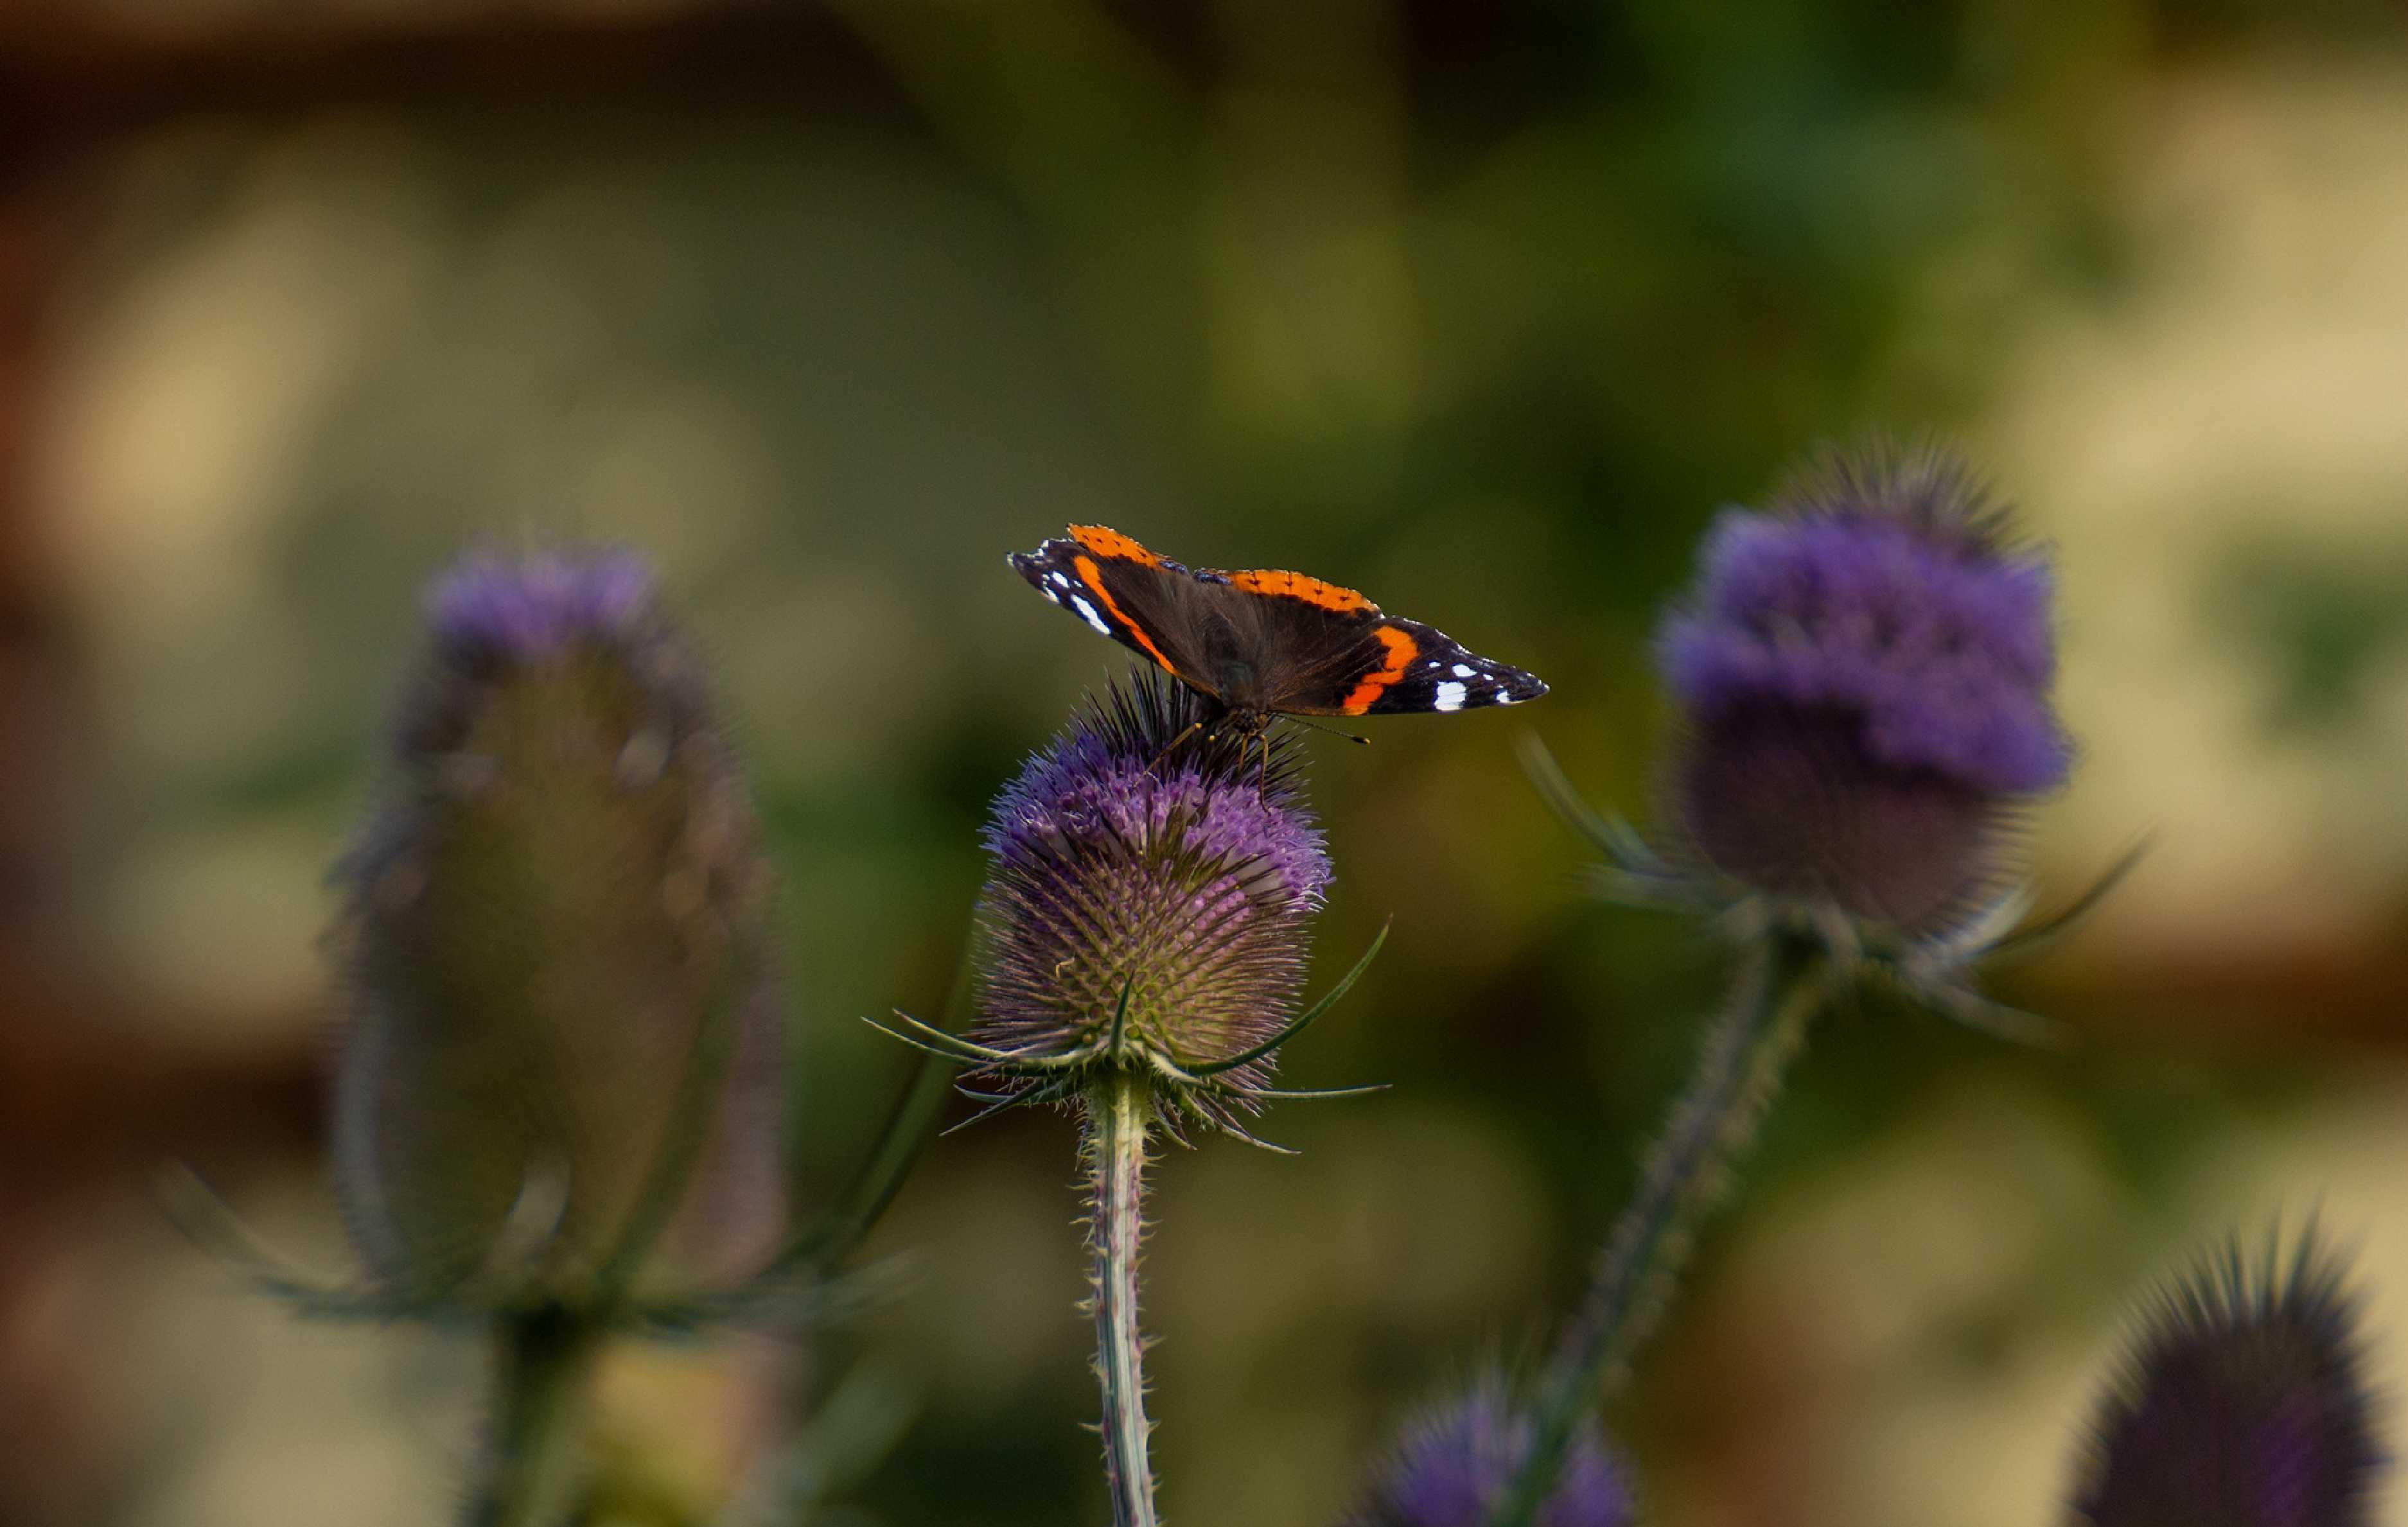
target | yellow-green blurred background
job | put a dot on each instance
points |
(1483, 308)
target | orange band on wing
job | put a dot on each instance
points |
(1092, 576)
(1106, 542)
(1402, 649)
(1312, 590)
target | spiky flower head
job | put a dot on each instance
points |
(2242, 1402)
(1154, 880)
(1452, 1468)
(560, 1049)
(1865, 675)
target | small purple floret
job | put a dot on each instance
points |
(1938, 646)
(526, 609)
(1452, 1467)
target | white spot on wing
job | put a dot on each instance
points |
(1464, 670)
(1062, 577)
(1450, 696)
(1504, 697)
(1087, 613)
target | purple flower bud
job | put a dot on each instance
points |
(1453, 1465)
(1146, 858)
(553, 923)
(1865, 677)
(2241, 1404)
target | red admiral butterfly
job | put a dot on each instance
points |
(1263, 642)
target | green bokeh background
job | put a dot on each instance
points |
(1484, 309)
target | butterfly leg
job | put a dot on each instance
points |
(1172, 746)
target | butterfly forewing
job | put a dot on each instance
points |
(1128, 594)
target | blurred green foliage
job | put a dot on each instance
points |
(1482, 308)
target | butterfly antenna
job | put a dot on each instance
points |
(1350, 737)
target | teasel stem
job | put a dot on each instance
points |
(1740, 1069)
(532, 1473)
(1119, 1111)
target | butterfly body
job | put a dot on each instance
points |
(1264, 642)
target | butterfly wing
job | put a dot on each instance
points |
(1329, 651)
(1422, 668)
(1266, 639)
(1140, 600)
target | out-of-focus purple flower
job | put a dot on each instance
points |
(1147, 870)
(554, 919)
(2241, 1404)
(525, 609)
(1453, 1466)
(1865, 673)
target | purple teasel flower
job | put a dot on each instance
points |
(1864, 679)
(1148, 912)
(2241, 1401)
(1451, 1466)
(553, 937)
(558, 1100)
(1142, 943)
(1865, 676)
(1170, 897)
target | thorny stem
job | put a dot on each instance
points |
(1740, 1069)
(1118, 1114)
(531, 1472)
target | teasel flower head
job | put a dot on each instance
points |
(2242, 1402)
(1453, 1466)
(559, 1060)
(1864, 674)
(1148, 910)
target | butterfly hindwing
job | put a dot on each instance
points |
(1301, 644)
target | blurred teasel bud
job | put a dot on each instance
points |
(2242, 1402)
(561, 1055)
(1865, 676)
(1148, 906)
(1453, 1466)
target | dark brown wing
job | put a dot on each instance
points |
(1329, 651)
(1262, 639)
(1144, 602)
